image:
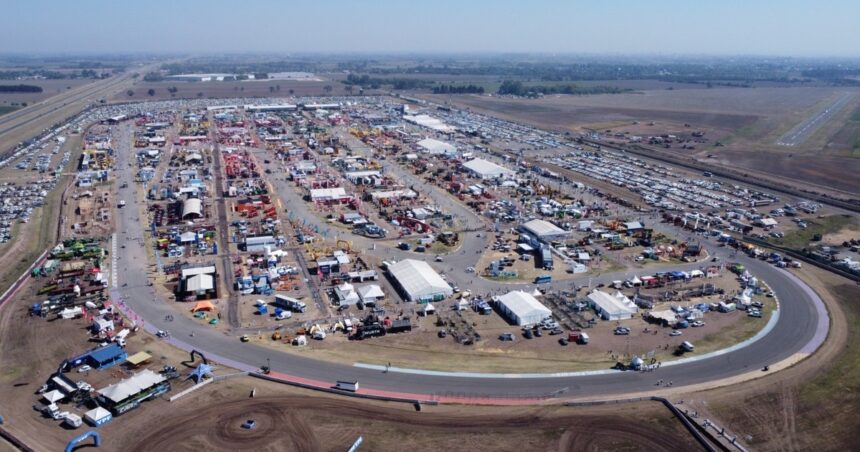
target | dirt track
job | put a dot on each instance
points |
(303, 423)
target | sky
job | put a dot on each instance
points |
(821, 28)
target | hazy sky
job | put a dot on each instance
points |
(770, 27)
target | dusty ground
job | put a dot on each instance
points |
(292, 420)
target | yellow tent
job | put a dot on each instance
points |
(203, 306)
(138, 358)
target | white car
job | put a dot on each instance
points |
(84, 368)
(675, 333)
(697, 323)
(470, 269)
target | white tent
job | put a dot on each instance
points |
(370, 293)
(418, 281)
(53, 396)
(536, 293)
(523, 308)
(427, 309)
(346, 294)
(98, 416)
(612, 307)
(486, 169)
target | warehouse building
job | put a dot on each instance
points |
(417, 281)
(544, 230)
(522, 308)
(101, 357)
(612, 307)
(486, 169)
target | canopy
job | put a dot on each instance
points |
(203, 306)
(53, 396)
(138, 358)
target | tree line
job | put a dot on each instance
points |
(20, 89)
(517, 88)
(458, 89)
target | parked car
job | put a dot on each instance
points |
(622, 331)
(506, 337)
(250, 424)
(675, 333)
(697, 323)
(84, 368)
(754, 313)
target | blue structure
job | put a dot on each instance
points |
(97, 439)
(202, 371)
(101, 358)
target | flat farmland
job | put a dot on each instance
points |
(49, 88)
(230, 89)
(747, 120)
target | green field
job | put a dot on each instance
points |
(6, 109)
(801, 238)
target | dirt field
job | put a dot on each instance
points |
(291, 420)
(230, 89)
(49, 88)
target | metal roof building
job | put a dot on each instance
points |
(486, 169)
(418, 281)
(523, 308)
(544, 230)
(432, 146)
(192, 207)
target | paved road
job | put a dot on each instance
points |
(801, 132)
(796, 329)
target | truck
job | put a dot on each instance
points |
(289, 303)
(546, 258)
(368, 331)
(686, 346)
(578, 337)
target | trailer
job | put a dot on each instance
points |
(289, 303)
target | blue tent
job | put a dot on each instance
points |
(202, 371)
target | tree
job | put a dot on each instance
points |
(199, 94)
(271, 89)
(151, 92)
(173, 89)
(129, 93)
(327, 88)
(278, 87)
(292, 91)
(348, 88)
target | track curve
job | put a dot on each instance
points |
(801, 328)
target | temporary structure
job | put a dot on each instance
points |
(204, 305)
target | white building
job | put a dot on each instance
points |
(522, 308)
(612, 307)
(486, 169)
(436, 147)
(370, 294)
(544, 230)
(418, 281)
